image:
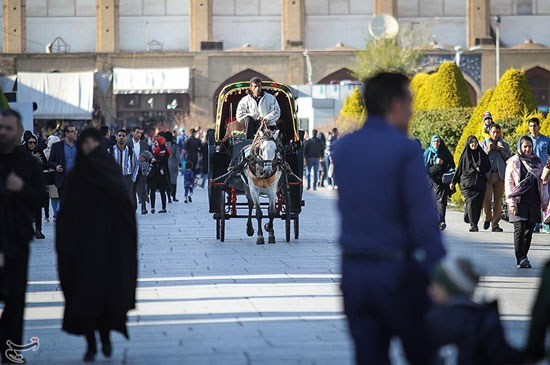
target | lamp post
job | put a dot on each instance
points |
(458, 51)
(497, 48)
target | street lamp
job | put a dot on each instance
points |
(497, 48)
(458, 51)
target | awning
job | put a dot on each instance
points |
(150, 80)
(67, 95)
(7, 82)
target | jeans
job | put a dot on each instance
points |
(330, 180)
(55, 205)
(188, 191)
(312, 163)
(523, 234)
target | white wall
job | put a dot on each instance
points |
(256, 22)
(72, 20)
(329, 22)
(167, 22)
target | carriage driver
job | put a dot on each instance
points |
(256, 107)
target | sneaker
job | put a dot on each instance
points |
(330, 187)
(474, 229)
(162, 211)
(524, 264)
(39, 235)
(186, 200)
(175, 200)
(314, 188)
(442, 226)
(308, 188)
(498, 229)
(190, 200)
(153, 211)
(144, 212)
(486, 225)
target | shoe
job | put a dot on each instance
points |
(536, 230)
(107, 349)
(486, 225)
(190, 200)
(186, 200)
(175, 200)
(152, 211)
(89, 356)
(162, 211)
(144, 212)
(308, 188)
(314, 188)
(524, 264)
(330, 187)
(169, 201)
(47, 220)
(39, 235)
(474, 229)
(442, 227)
(498, 229)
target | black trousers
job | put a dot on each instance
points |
(38, 219)
(252, 126)
(14, 287)
(523, 234)
(474, 204)
(138, 188)
(173, 188)
(152, 194)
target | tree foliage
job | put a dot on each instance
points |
(512, 96)
(450, 89)
(353, 113)
(424, 95)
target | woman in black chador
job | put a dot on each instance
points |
(96, 243)
(471, 174)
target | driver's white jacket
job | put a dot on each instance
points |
(267, 108)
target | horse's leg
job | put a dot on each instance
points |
(271, 211)
(249, 227)
(260, 240)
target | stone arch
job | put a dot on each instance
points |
(245, 75)
(473, 89)
(539, 80)
(339, 75)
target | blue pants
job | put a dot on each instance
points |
(188, 191)
(312, 163)
(383, 299)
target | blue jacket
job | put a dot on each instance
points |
(385, 203)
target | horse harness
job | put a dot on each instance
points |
(256, 163)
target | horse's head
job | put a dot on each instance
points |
(266, 153)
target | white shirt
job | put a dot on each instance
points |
(267, 108)
(137, 148)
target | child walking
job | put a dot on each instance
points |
(188, 181)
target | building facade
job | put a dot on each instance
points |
(221, 41)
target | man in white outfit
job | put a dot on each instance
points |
(256, 107)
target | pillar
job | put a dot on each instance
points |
(385, 7)
(479, 24)
(14, 26)
(294, 19)
(107, 26)
(201, 23)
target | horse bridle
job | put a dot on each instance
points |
(256, 160)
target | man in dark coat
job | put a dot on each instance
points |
(22, 191)
(191, 148)
(97, 267)
(313, 153)
(63, 156)
(390, 234)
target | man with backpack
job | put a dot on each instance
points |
(126, 159)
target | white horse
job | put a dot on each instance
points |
(262, 174)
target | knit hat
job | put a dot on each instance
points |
(487, 115)
(457, 275)
(147, 155)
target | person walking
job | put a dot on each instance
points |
(127, 161)
(105, 137)
(191, 149)
(390, 234)
(322, 163)
(157, 177)
(498, 152)
(97, 267)
(173, 165)
(439, 160)
(331, 140)
(526, 195)
(63, 155)
(31, 147)
(471, 174)
(49, 175)
(541, 148)
(313, 153)
(188, 181)
(138, 145)
(204, 161)
(22, 191)
(144, 166)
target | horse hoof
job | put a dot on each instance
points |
(260, 241)
(250, 232)
(271, 239)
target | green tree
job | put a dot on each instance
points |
(403, 53)
(512, 96)
(424, 95)
(450, 89)
(3, 101)
(353, 113)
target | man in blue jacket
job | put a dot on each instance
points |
(390, 235)
(63, 156)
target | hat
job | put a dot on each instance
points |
(487, 115)
(146, 154)
(457, 275)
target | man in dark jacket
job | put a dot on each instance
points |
(22, 191)
(191, 148)
(390, 234)
(462, 331)
(63, 156)
(313, 153)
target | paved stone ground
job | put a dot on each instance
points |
(205, 302)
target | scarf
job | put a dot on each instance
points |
(432, 154)
(534, 167)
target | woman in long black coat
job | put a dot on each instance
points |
(31, 146)
(96, 243)
(438, 160)
(471, 173)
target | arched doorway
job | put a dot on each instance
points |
(539, 81)
(245, 75)
(337, 76)
(472, 92)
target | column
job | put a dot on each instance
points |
(107, 26)
(201, 23)
(479, 24)
(294, 19)
(385, 7)
(15, 26)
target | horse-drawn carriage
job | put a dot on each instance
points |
(269, 166)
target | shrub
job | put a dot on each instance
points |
(450, 89)
(424, 95)
(509, 128)
(448, 123)
(417, 81)
(353, 113)
(512, 96)
(545, 128)
(3, 101)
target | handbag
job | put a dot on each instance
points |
(448, 177)
(545, 173)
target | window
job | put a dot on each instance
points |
(539, 80)
(524, 7)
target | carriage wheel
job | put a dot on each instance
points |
(296, 228)
(217, 229)
(222, 218)
(287, 216)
